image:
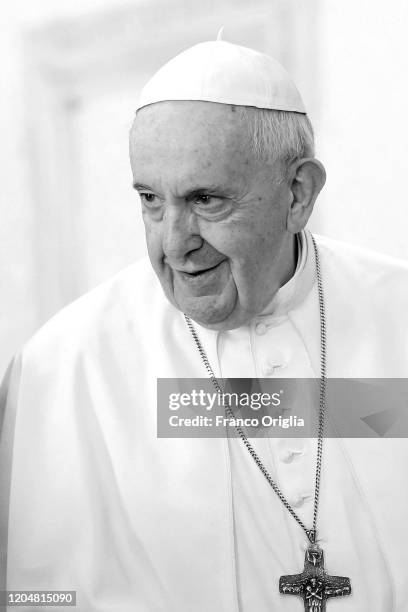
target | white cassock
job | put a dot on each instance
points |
(98, 504)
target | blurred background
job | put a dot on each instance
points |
(70, 75)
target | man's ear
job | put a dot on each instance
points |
(307, 177)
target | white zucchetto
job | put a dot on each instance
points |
(219, 71)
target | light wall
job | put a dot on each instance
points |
(19, 273)
(363, 123)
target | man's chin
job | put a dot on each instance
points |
(213, 312)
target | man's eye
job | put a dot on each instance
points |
(148, 198)
(205, 199)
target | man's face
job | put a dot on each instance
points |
(215, 216)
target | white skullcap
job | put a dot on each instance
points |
(219, 71)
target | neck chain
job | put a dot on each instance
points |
(313, 585)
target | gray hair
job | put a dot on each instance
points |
(278, 135)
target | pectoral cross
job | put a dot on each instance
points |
(313, 584)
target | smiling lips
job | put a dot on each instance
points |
(198, 273)
(202, 277)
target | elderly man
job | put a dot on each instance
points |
(93, 501)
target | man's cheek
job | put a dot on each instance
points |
(148, 225)
(153, 238)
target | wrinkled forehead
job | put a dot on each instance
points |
(211, 110)
(182, 133)
(188, 121)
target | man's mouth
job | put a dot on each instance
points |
(201, 272)
(203, 276)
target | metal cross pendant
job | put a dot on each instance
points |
(313, 584)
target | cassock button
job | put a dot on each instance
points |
(289, 455)
(261, 329)
(298, 500)
(269, 368)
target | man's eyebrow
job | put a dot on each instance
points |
(139, 186)
(191, 192)
(204, 188)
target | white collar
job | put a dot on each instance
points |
(292, 293)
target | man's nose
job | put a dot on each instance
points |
(181, 233)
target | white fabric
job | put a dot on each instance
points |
(219, 71)
(268, 542)
(134, 523)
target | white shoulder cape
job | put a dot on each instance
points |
(92, 501)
